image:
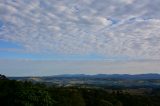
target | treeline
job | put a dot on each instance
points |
(17, 93)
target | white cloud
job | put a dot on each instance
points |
(128, 1)
(105, 27)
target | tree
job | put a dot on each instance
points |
(3, 77)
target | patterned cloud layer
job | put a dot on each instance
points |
(104, 27)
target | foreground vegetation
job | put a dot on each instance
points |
(17, 93)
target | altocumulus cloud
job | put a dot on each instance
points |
(105, 27)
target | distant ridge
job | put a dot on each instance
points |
(121, 76)
(105, 76)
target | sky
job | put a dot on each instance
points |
(50, 37)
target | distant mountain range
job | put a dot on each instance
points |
(119, 76)
(114, 76)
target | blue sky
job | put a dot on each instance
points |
(116, 31)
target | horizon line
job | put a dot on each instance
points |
(85, 74)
